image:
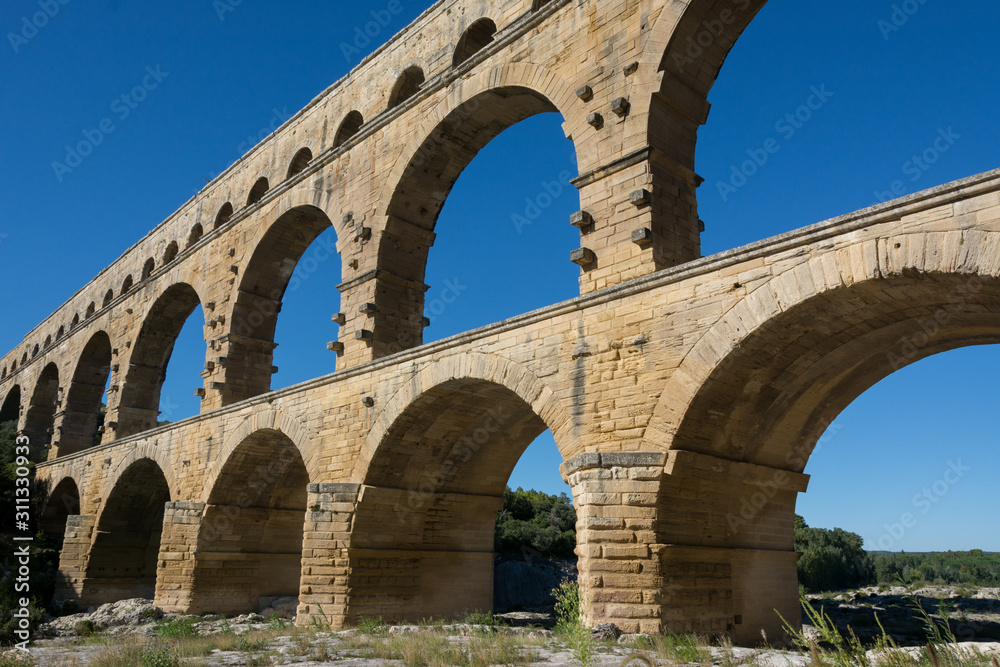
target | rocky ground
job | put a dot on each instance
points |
(123, 629)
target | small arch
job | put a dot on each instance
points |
(148, 268)
(222, 217)
(259, 501)
(34, 351)
(257, 191)
(48, 342)
(301, 160)
(350, 126)
(24, 358)
(4, 374)
(61, 332)
(127, 283)
(171, 252)
(76, 320)
(406, 86)
(91, 309)
(13, 365)
(538, 4)
(477, 37)
(196, 233)
(109, 296)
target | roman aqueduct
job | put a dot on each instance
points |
(685, 393)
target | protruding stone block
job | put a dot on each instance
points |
(364, 334)
(620, 106)
(581, 219)
(642, 237)
(335, 346)
(595, 120)
(640, 198)
(583, 257)
(585, 93)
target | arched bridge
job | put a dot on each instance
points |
(685, 394)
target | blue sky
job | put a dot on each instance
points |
(227, 72)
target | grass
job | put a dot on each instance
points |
(836, 649)
(432, 648)
(176, 628)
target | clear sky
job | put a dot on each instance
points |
(228, 72)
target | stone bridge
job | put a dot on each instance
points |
(685, 394)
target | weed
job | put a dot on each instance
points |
(177, 627)
(85, 628)
(373, 627)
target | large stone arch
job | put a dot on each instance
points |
(925, 267)
(742, 413)
(124, 553)
(432, 477)
(81, 415)
(248, 543)
(62, 500)
(265, 418)
(446, 139)
(259, 290)
(139, 399)
(474, 367)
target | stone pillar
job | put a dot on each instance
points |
(729, 563)
(74, 432)
(383, 314)
(616, 499)
(74, 556)
(324, 586)
(175, 567)
(639, 215)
